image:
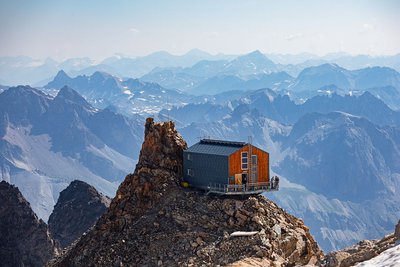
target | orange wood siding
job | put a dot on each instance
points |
(235, 163)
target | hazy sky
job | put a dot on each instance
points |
(98, 29)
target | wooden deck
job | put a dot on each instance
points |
(248, 189)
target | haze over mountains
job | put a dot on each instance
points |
(25, 70)
(332, 130)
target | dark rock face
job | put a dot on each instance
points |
(397, 231)
(77, 209)
(152, 221)
(24, 239)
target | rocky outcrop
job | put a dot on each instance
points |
(397, 231)
(362, 251)
(78, 208)
(153, 221)
(24, 239)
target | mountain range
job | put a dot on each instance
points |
(46, 142)
(309, 79)
(332, 132)
(281, 108)
(345, 60)
(25, 70)
(313, 78)
(129, 97)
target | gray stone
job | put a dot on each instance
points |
(277, 229)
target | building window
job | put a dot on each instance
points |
(189, 157)
(254, 159)
(190, 172)
(245, 160)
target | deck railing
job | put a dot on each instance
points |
(249, 188)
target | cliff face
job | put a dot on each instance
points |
(152, 221)
(24, 239)
(77, 209)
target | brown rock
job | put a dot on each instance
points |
(261, 210)
(240, 216)
(257, 220)
(199, 241)
(363, 251)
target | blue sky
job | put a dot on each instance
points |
(98, 29)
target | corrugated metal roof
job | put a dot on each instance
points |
(215, 147)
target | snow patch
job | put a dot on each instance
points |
(390, 257)
(127, 92)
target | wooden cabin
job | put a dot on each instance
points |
(226, 167)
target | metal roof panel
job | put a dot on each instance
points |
(215, 147)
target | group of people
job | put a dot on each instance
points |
(275, 182)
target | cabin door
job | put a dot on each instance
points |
(244, 178)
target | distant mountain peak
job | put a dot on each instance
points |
(327, 66)
(159, 53)
(197, 52)
(24, 91)
(101, 74)
(61, 75)
(69, 94)
(370, 98)
(256, 54)
(250, 64)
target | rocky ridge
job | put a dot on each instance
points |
(77, 209)
(362, 251)
(153, 221)
(24, 239)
